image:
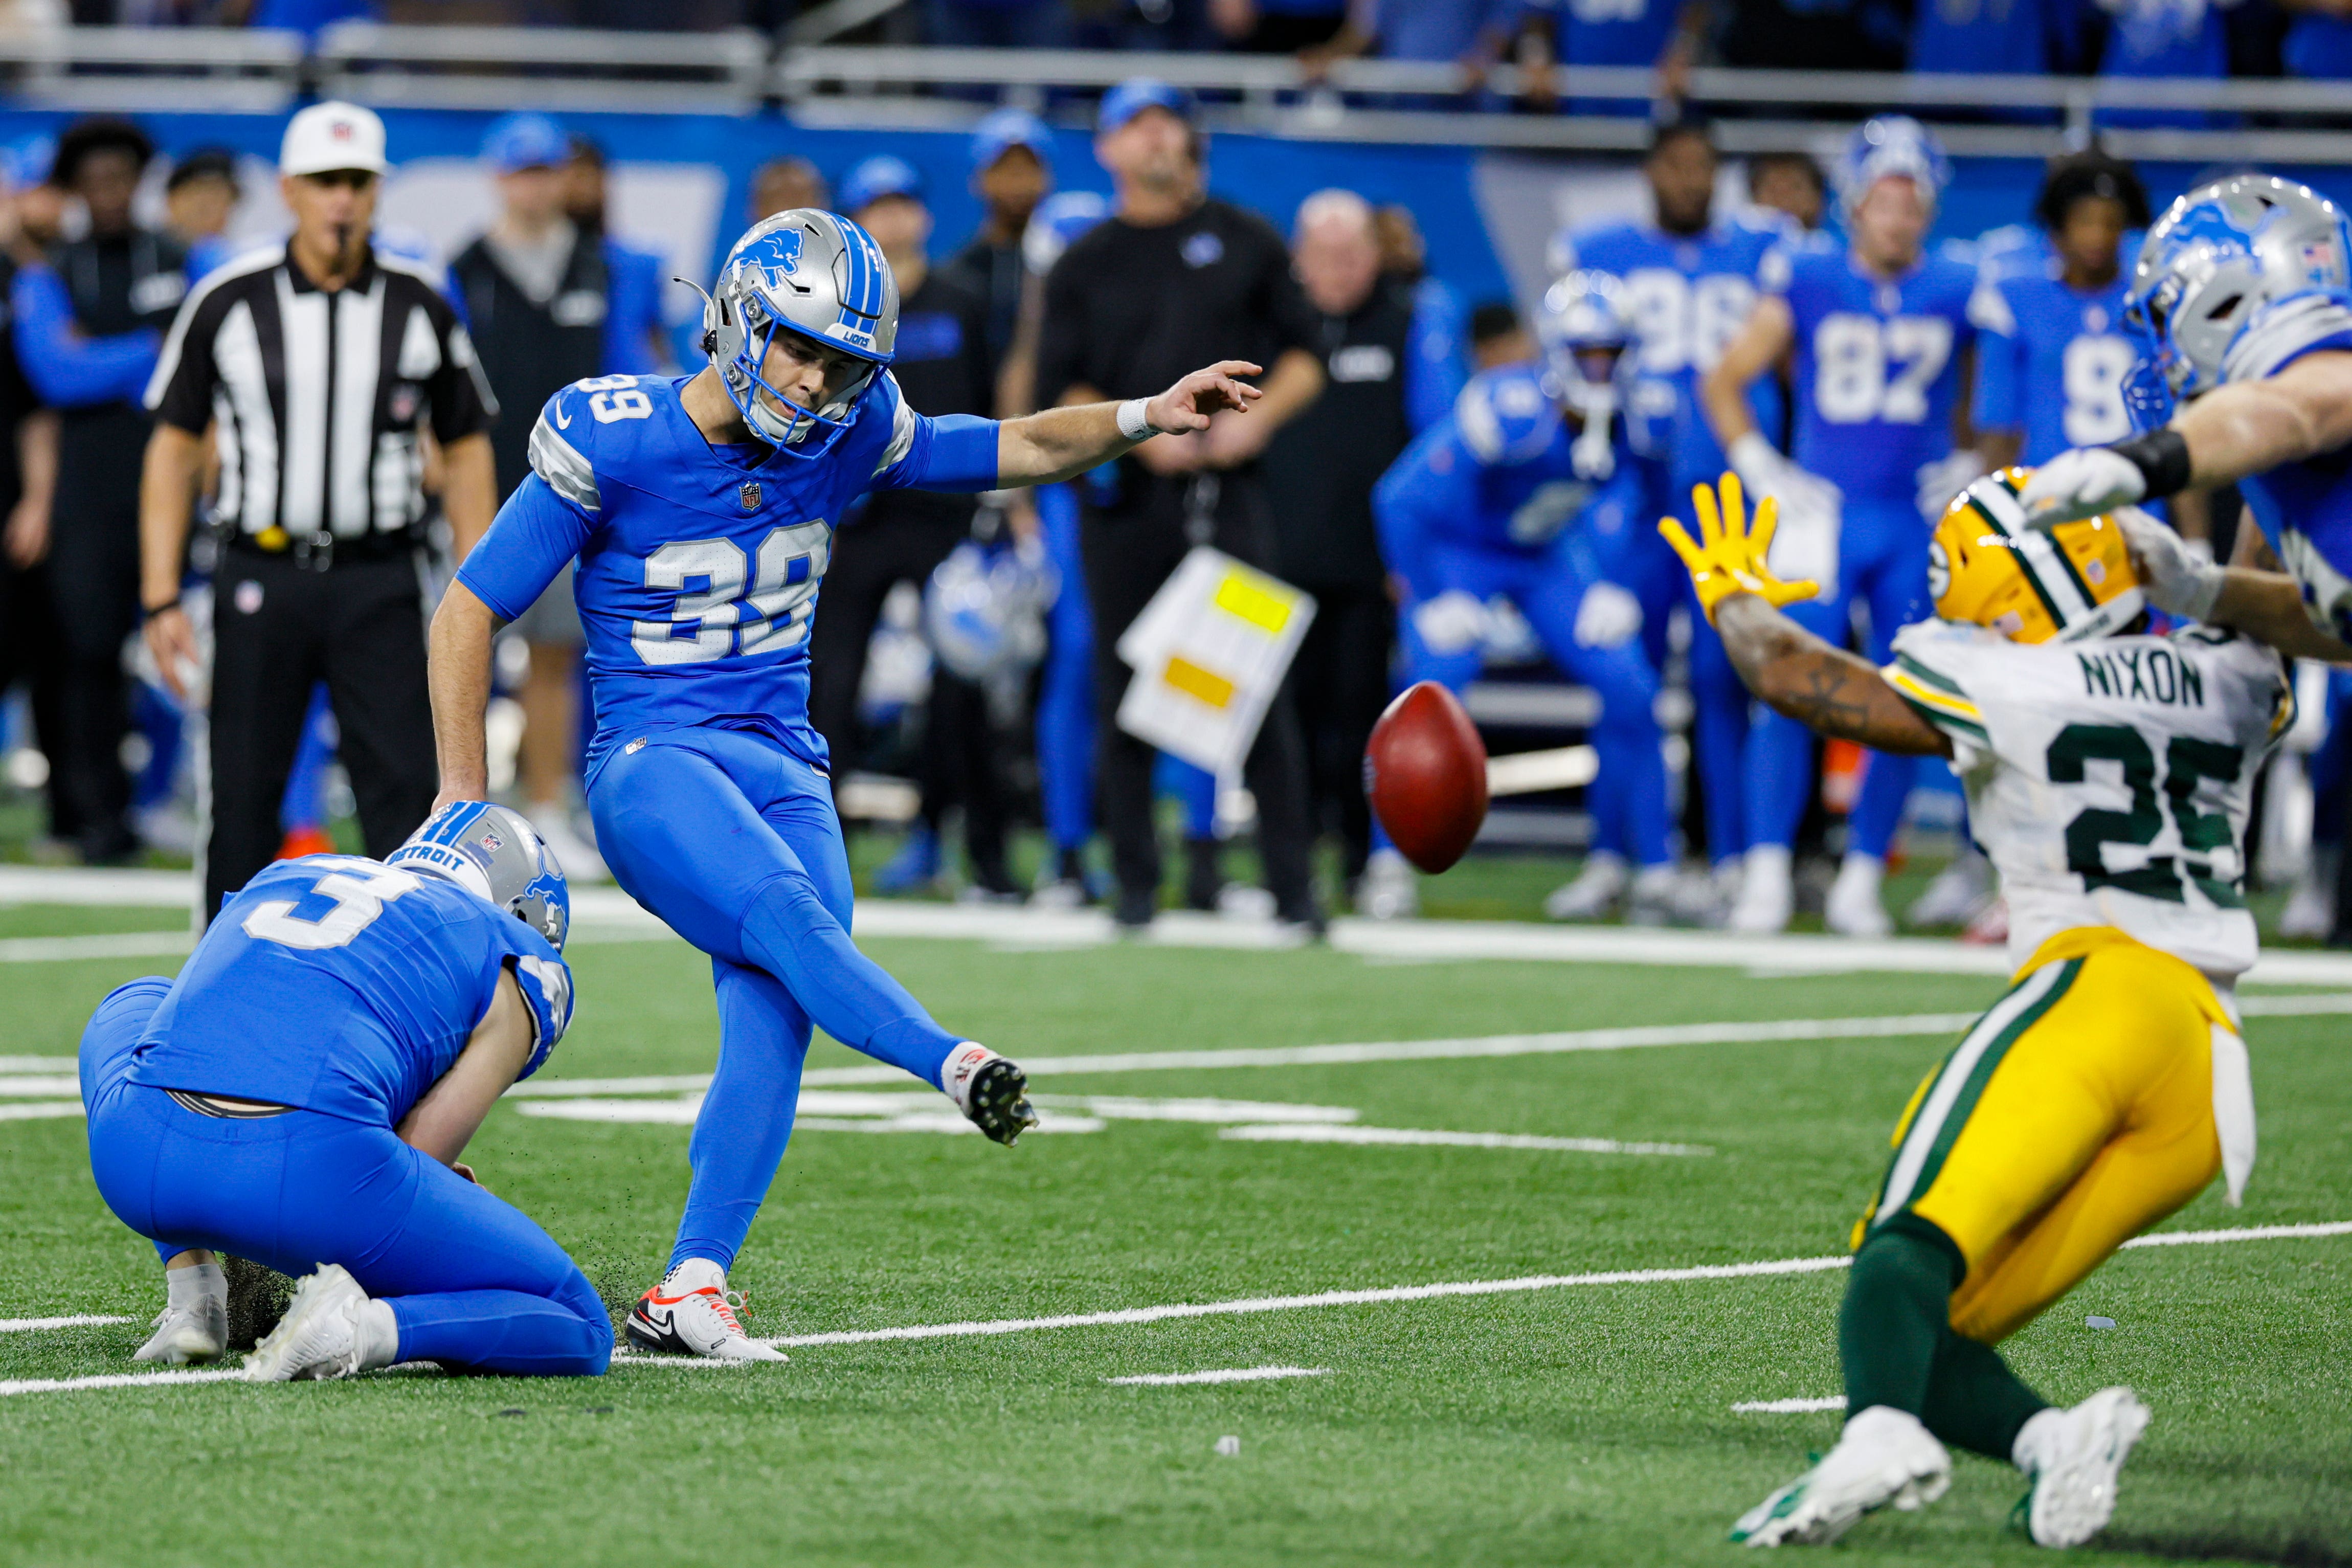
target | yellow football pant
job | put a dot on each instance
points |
(2077, 1113)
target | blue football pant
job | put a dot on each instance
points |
(1628, 799)
(1066, 686)
(733, 842)
(1882, 557)
(472, 1281)
(1720, 703)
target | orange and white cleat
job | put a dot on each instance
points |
(692, 1313)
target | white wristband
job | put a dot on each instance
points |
(1755, 460)
(1132, 424)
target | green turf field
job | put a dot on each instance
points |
(1578, 1424)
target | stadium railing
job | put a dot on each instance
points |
(739, 72)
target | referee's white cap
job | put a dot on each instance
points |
(330, 136)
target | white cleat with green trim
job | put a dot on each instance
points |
(1884, 1457)
(2074, 1456)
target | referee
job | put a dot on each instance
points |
(321, 367)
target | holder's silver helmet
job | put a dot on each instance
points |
(2212, 288)
(493, 853)
(819, 275)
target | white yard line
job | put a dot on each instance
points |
(29, 1325)
(39, 1064)
(31, 1085)
(40, 1110)
(117, 1380)
(111, 944)
(1223, 1374)
(1789, 1407)
(1325, 1134)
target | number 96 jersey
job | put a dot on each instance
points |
(698, 564)
(2109, 780)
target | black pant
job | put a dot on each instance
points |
(31, 651)
(1341, 683)
(94, 584)
(278, 630)
(958, 766)
(1129, 553)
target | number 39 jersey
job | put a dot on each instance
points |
(346, 986)
(1877, 366)
(2110, 781)
(698, 564)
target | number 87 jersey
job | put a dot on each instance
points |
(699, 566)
(2109, 780)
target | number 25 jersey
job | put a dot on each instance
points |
(699, 565)
(1877, 366)
(2110, 781)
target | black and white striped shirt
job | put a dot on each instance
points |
(317, 399)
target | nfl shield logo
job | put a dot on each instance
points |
(750, 495)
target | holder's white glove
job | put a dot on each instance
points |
(1946, 477)
(1805, 545)
(2083, 482)
(2174, 574)
(1451, 622)
(1607, 617)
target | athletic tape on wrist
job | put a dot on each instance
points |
(2162, 458)
(1132, 424)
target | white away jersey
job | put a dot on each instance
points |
(2110, 781)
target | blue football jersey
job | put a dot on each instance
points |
(1878, 366)
(700, 565)
(2052, 362)
(1687, 297)
(1499, 474)
(2305, 509)
(346, 986)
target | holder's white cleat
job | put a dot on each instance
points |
(2074, 1457)
(1884, 1457)
(331, 1330)
(187, 1334)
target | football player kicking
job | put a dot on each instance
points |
(301, 1094)
(2109, 776)
(701, 511)
(2244, 290)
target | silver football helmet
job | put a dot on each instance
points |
(2215, 264)
(811, 272)
(493, 853)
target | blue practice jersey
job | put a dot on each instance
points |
(1878, 366)
(346, 986)
(2305, 509)
(1499, 474)
(2052, 362)
(698, 564)
(1687, 297)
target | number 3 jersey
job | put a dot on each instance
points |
(699, 564)
(2110, 781)
(1877, 366)
(344, 985)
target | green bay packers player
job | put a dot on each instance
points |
(2109, 776)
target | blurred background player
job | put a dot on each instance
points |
(636, 342)
(200, 196)
(1497, 337)
(942, 366)
(89, 320)
(1012, 171)
(29, 643)
(1176, 277)
(1319, 473)
(1529, 491)
(781, 185)
(1791, 184)
(1879, 332)
(1686, 283)
(537, 294)
(301, 1094)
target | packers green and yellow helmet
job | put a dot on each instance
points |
(1987, 565)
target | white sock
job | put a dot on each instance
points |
(2039, 1428)
(1860, 868)
(191, 1287)
(379, 1335)
(1769, 860)
(694, 1274)
(963, 1064)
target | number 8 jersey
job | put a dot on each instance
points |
(1877, 367)
(2108, 780)
(700, 565)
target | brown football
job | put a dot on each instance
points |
(1425, 772)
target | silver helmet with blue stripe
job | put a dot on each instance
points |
(494, 853)
(820, 275)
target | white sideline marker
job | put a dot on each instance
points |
(31, 1325)
(1327, 1134)
(1223, 1374)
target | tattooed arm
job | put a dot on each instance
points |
(1822, 688)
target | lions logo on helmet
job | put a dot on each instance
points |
(2237, 276)
(1989, 567)
(816, 274)
(495, 854)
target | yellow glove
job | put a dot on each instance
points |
(1731, 559)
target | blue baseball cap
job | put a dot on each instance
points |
(26, 161)
(1005, 129)
(1138, 93)
(517, 141)
(878, 176)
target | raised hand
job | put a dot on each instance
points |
(1727, 557)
